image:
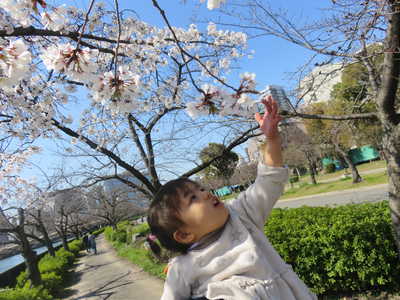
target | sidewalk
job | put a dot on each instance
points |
(106, 276)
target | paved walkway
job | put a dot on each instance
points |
(372, 193)
(106, 276)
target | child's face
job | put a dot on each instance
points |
(202, 213)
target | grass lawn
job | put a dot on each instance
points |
(140, 257)
(363, 167)
(306, 189)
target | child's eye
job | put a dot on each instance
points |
(202, 189)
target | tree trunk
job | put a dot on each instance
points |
(49, 245)
(311, 166)
(31, 260)
(392, 154)
(354, 171)
(312, 173)
(387, 103)
(46, 238)
(64, 242)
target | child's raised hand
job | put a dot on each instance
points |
(271, 118)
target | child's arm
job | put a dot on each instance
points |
(272, 151)
(258, 200)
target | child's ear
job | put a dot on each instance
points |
(183, 237)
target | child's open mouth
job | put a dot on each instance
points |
(216, 202)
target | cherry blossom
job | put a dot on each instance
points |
(75, 62)
(117, 91)
(14, 62)
(21, 10)
(56, 19)
(12, 186)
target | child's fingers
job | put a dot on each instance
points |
(258, 118)
(274, 109)
(267, 104)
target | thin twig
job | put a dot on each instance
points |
(85, 23)
(119, 37)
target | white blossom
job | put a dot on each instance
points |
(56, 19)
(117, 93)
(77, 63)
(19, 10)
(195, 110)
(14, 63)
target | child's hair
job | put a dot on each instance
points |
(163, 214)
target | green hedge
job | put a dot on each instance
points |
(34, 293)
(343, 249)
(69, 256)
(124, 232)
(75, 246)
(53, 271)
(57, 264)
(99, 231)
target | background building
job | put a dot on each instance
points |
(136, 198)
(317, 86)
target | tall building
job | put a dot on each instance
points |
(71, 200)
(318, 84)
(135, 197)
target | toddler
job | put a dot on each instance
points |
(224, 251)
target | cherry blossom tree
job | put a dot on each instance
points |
(148, 88)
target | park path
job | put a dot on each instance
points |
(107, 276)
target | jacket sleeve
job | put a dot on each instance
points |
(175, 286)
(258, 200)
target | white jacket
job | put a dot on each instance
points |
(241, 264)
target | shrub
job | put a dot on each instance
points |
(344, 249)
(69, 256)
(108, 232)
(98, 231)
(22, 279)
(119, 236)
(57, 264)
(33, 293)
(330, 168)
(123, 225)
(52, 282)
(293, 179)
(75, 246)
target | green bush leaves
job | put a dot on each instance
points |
(343, 249)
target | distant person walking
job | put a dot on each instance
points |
(86, 242)
(92, 243)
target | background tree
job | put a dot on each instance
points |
(221, 167)
(111, 206)
(299, 149)
(40, 222)
(14, 223)
(339, 135)
(353, 93)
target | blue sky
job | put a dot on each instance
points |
(272, 61)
